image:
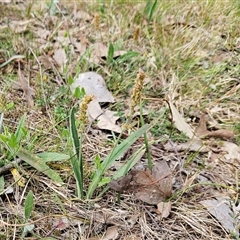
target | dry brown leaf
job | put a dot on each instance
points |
(108, 120)
(80, 46)
(151, 188)
(232, 152)
(162, 171)
(221, 210)
(111, 233)
(94, 109)
(164, 209)
(20, 26)
(43, 33)
(221, 133)
(202, 132)
(99, 50)
(28, 91)
(60, 57)
(122, 183)
(180, 122)
(46, 61)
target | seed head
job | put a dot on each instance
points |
(136, 34)
(97, 21)
(83, 118)
(137, 90)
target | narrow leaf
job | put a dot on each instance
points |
(18, 133)
(38, 164)
(76, 161)
(53, 156)
(110, 53)
(122, 171)
(28, 206)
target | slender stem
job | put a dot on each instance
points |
(150, 164)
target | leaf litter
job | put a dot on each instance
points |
(211, 154)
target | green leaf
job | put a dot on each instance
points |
(38, 164)
(18, 134)
(28, 206)
(116, 153)
(126, 167)
(97, 162)
(150, 9)
(104, 181)
(122, 171)
(110, 53)
(79, 92)
(53, 156)
(127, 56)
(76, 160)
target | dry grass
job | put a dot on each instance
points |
(188, 51)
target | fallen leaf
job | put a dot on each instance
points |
(94, 109)
(21, 181)
(80, 46)
(220, 209)
(20, 26)
(45, 61)
(122, 183)
(180, 122)
(60, 57)
(232, 152)
(43, 33)
(153, 188)
(94, 85)
(99, 50)
(108, 120)
(202, 132)
(111, 233)
(221, 133)
(164, 209)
